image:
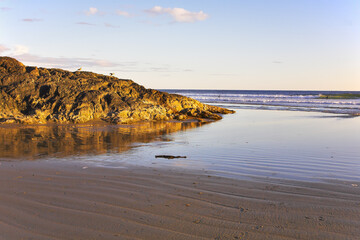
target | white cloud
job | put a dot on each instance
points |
(111, 25)
(5, 8)
(22, 54)
(3, 49)
(122, 13)
(85, 23)
(179, 14)
(91, 11)
(64, 62)
(88, 64)
(31, 20)
(20, 49)
(104, 63)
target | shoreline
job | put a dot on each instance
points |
(45, 199)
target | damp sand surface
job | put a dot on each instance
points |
(42, 200)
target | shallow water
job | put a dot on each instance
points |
(251, 143)
(277, 144)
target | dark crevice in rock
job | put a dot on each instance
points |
(44, 91)
(108, 99)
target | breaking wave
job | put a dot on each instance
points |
(276, 100)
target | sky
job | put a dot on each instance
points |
(192, 44)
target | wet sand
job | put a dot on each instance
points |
(48, 200)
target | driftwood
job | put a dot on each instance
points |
(169, 156)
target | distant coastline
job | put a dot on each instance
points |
(340, 96)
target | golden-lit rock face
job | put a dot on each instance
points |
(33, 142)
(32, 95)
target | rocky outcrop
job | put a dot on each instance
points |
(38, 95)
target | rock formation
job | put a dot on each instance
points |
(34, 95)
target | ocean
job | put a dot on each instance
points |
(310, 101)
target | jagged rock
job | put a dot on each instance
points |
(39, 95)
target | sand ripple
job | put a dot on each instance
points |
(51, 201)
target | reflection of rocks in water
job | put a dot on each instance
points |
(32, 142)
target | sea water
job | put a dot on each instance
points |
(277, 100)
(282, 136)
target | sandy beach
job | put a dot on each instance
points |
(180, 120)
(47, 200)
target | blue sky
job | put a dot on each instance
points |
(197, 44)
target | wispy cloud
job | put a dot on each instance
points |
(86, 23)
(222, 74)
(159, 69)
(91, 11)
(20, 50)
(31, 20)
(91, 63)
(123, 13)
(3, 49)
(64, 62)
(179, 14)
(22, 54)
(111, 25)
(5, 8)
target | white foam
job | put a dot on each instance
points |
(310, 102)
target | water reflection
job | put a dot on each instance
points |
(34, 142)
